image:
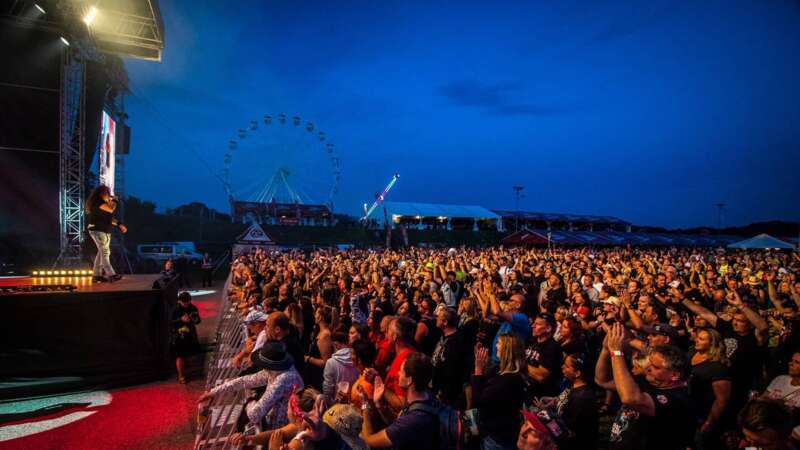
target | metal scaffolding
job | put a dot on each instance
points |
(71, 149)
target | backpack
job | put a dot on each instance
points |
(450, 432)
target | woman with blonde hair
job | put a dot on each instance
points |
(499, 398)
(709, 385)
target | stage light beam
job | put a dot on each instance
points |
(65, 41)
(41, 10)
(90, 16)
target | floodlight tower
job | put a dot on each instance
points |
(518, 195)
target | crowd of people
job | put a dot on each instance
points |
(498, 348)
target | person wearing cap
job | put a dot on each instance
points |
(277, 374)
(256, 336)
(185, 317)
(658, 334)
(534, 435)
(658, 415)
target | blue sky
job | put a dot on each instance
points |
(649, 111)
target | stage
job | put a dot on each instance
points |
(91, 335)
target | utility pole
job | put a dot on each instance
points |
(518, 195)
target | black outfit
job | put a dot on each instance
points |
(548, 355)
(554, 298)
(575, 346)
(208, 271)
(703, 375)
(184, 334)
(99, 220)
(499, 399)
(746, 357)
(182, 268)
(452, 360)
(431, 338)
(577, 408)
(671, 428)
(294, 348)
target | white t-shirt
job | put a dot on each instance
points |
(781, 388)
(260, 340)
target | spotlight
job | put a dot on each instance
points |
(35, 273)
(49, 272)
(63, 272)
(41, 10)
(65, 41)
(90, 16)
(69, 272)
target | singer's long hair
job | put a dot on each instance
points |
(96, 197)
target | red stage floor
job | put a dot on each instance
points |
(152, 416)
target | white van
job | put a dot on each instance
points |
(154, 255)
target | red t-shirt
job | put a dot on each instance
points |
(393, 375)
(385, 354)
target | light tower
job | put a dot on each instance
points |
(517, 195)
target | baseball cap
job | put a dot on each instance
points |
(255, 316)
(665, 329)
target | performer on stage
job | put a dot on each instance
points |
(100, 222)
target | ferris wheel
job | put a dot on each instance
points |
(281, 159)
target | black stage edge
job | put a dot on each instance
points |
(103, 335)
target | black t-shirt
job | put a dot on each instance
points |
(577, 407)
(746, 359)
(499, 399)
(431, 338)
(452, 360)
(703, 375)
(671, 428)
(548, 355)
(99, 220)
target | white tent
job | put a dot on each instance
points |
(761, 241)
(254, 237)
(439, 211)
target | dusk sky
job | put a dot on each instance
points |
(649, 111)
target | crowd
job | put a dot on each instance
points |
(500, 348)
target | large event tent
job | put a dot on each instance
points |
(761, 241)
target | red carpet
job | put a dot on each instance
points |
(153, 416)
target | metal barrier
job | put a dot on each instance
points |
(217, 419)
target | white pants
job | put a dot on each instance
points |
(102, 262)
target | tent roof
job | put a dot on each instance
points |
(255, 235)
(761, 241)
(559, 217)
(438, 210)
(524, 237)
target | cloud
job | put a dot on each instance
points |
(495, 98)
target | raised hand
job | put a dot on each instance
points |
(481, 359)
(379, 388)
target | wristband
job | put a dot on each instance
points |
(617, 353)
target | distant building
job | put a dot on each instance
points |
(436, 216)
(512, 220)
(281, 214)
